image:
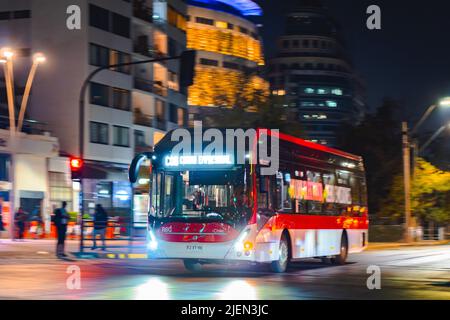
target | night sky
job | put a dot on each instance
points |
(409, 59)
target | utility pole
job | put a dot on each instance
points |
(407, 179)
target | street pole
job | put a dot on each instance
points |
(406, 179)
(84, 88)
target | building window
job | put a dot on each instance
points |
(160, 116)
(22, 14)
(173, 113)
(5, 15)
(230, 26)
(182, 117)
(139, 138)
(99, 94)
(176, 19)
(99, 132)
(309, 90)
(121, 99)
(98, 55)
(337, 92)
(209, 62)
(243, 30)
(204, 21)
(331, 104)
(117, 57)
(295, 43)
(121, 136)
(285, 44)
(120, 25)
(230, 65)
(98, 17)
(306, 43)
(221, 24)
(60, 189)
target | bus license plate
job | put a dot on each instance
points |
(194, 248)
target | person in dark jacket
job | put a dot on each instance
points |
(61, 220)
(20, 218)
(100, 224)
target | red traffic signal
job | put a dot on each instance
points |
(76, 164)
(76, 168)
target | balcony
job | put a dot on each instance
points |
(142, 11)
(155, 87)
(146, 120)
(142, 46)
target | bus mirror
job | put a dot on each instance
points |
(133, 172)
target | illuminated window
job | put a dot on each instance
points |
(176, 19)
(321, 91)
(337, 92)
(221, 24)
(309, 90)
(331, 104)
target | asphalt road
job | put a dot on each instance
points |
(406, 273)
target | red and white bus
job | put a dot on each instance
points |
(315, 206)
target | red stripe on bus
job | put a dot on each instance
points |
(299, 221)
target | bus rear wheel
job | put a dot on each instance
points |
(343, 252)
(192, 265)
(280, 265)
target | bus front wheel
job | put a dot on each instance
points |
(280, 265)
(343, 252)
(192, 265)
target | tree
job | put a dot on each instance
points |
(378, 140)
(250, 107)
(430, 195)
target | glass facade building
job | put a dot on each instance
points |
(313, 76)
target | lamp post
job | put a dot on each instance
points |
(433, 137)
(37, 59)
(407, 144)
(6, 58)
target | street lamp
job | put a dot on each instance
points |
(434, 136)
(444, 102)
(6, 56)
(38, 58)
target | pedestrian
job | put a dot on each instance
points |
(100, 224)
(61, 220)
(20, 218)
(2, 226)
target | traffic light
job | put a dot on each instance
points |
(76, 168)
(187, 68)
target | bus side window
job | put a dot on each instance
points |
(329, 208)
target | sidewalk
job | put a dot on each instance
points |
(45, 249)
(392, 245)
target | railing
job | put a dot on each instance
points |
(150, 86)
(143, 119)
(142, 11)
(29, 126)
(117, 235)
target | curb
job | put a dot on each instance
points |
(377, 246)
(123, 256)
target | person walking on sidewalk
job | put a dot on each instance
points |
(20, 219)
(100, 224)
(61, 220)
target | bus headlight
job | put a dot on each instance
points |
(152, 244)
(241, 244)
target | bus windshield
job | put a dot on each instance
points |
(202, 195)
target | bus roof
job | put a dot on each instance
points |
(312, 145)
